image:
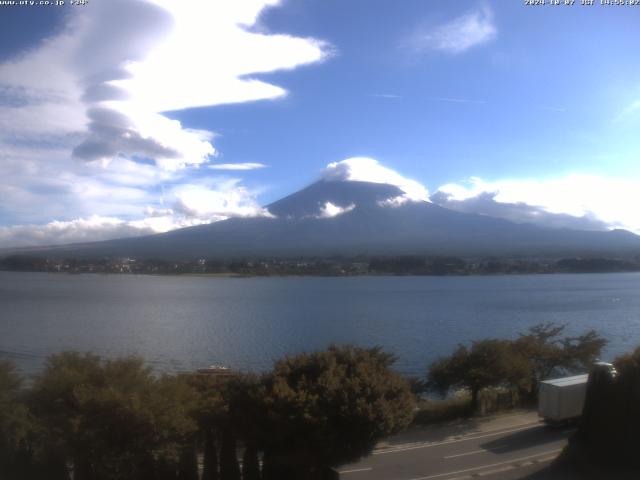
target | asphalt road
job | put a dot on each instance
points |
(504, 452)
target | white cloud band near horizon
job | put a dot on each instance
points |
(578, 201)
(599, 202)
(187, 206)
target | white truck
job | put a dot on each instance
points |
(562, 399)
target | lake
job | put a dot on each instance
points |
(179, 323)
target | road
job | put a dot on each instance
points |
(503, 448)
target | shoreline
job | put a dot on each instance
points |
(320, 275)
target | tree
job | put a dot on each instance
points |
(55, 404)
(522, 363)
(188, 468)
(212, 415)
(16, 427)
(245, 395)
(112, 419)
(210, 461)
(608, 432)
(229, 468)
(627, 393)
(331, 407)
(546, 352)
(487, 363)
(250, 463)
(173, 404)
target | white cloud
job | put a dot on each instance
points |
(116, 75)
(191, 204)
(329, 210)
(634, 107)
(394, 202)
(100, 88)
(228, 199)
(236, 166)
(42, 119)
(221, 54)
(597, 200)
(40, 184)
(364, 169)
(628, 111)
(90, 229)
(151, 212)
(118, 129)
(460, 34)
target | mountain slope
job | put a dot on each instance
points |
(367, 219)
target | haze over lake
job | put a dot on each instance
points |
(181, 323)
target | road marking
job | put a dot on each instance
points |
(508, 462)
(465, 454)
(498, 470)
(482, 450)
(513, 467)
(368, 469)
(448, 442)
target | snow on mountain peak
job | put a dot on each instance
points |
(365, 169)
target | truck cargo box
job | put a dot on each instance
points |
(562, 399)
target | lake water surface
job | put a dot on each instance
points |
(179, 322)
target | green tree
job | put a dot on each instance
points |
(173, 404)
(16, 425)
(547, 352)
(608, 431)
(250, 463)
(210, 460)
(212, 415)
(244, 395)
(188, 468)
(331, 407)
(488, 363)
(111, 419)
(229, 467)
(55, 403)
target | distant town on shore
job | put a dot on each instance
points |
(325, 266)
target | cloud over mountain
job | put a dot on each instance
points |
(485, 203)
(364, 169)
(329, 210)
(576, 201)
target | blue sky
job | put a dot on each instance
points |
(511, 104)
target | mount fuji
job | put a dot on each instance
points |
(341, 216)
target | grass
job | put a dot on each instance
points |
(436, 411)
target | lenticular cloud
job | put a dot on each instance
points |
(364, 169)
(116, 68)
(204, 58)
